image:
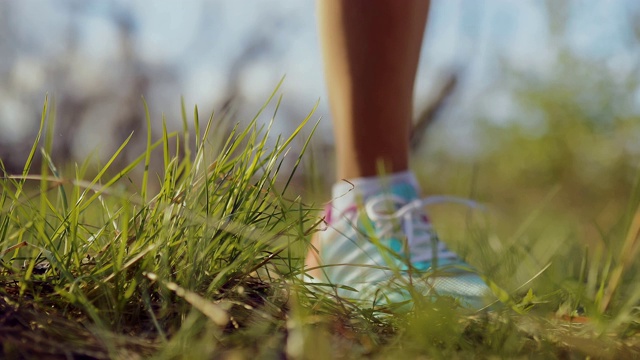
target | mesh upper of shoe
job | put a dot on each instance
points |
(380, 248)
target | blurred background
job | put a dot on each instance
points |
(524, 100)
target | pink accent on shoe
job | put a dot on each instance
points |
(328, 213)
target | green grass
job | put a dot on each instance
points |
(207, 265)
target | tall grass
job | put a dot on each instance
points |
(201, 259)
(212, 245)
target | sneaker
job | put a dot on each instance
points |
(385, 252)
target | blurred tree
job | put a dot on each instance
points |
(99, 99)
(576, 127)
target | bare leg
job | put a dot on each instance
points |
(371, 50)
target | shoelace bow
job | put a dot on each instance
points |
(395, 217)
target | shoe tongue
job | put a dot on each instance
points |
(391, 200)
(383, 206)
(405, 191)
(346, 196)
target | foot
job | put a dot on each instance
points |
(379, 251)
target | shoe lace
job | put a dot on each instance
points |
(394, 217)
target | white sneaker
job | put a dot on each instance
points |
(385, 251)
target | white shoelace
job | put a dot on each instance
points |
(409, 220)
